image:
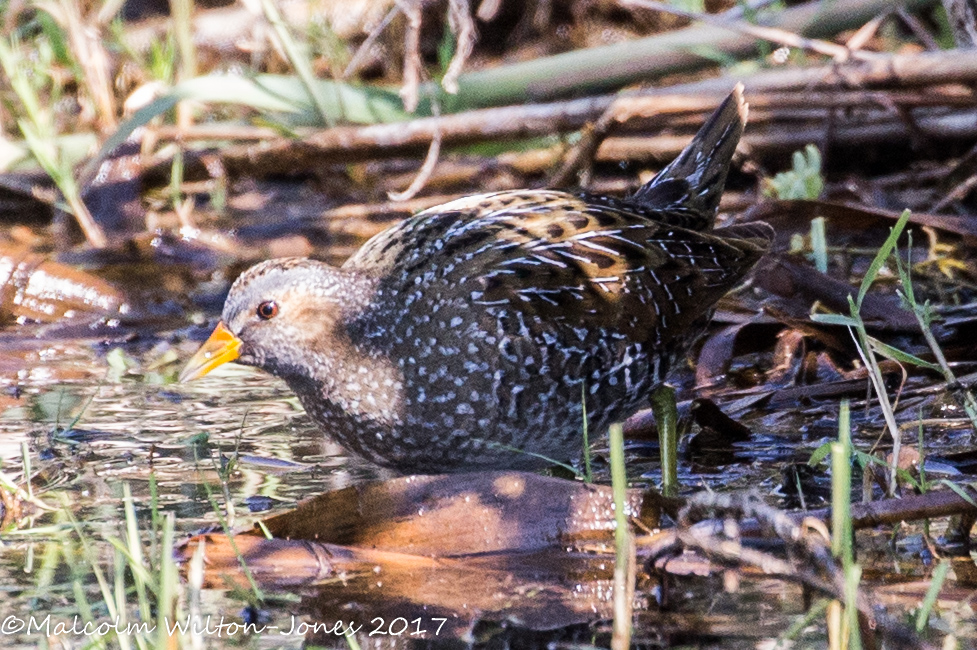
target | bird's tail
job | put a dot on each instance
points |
(687, 191)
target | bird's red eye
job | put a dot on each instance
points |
(267, 310)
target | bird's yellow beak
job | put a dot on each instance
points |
(221, 347)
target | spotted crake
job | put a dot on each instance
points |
(472, 335)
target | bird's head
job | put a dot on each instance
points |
(278, 316)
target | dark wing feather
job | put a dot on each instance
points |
(556, 258)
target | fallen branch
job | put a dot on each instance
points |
(613, 66)
(769, 92)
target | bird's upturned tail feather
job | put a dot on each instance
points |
(691, 185)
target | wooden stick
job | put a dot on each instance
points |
(351, 143)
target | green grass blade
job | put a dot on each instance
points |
(960, 492)
(834, 319)
(842, 534)
(298, 56)
(166, 608)
(853, 576)
(135, 555)
(139, 572)
(222, 89)
(881, 257)
(895, 354)
(815, 612)
(622, 541)
(613, 66)
(819, 244)
(666, 417)
(820, 454)
(841, 488)
(359, 104)
(936, 584)
(275, 93)
(587, 471)
(498, 445)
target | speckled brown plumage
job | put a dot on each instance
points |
(470, 335)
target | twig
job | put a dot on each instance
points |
(886, 512)
(488, 9)
(962, 16)
(612, 66)
(866, 32)
(808, 554)
(958, 192)
(463, 27)
(715, 525)
(583, 153)
(412, 53)
(918, 29)
(839, 53)
(363, 50)
(93, 232)
(959, 124)
(215, 131)
(933, 504)
(91, 56)
(430, 161)
(367, 213)
(351, 143)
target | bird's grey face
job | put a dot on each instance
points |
(276, 315)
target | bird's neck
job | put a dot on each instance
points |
(349, 379)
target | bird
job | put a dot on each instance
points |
(476, 334)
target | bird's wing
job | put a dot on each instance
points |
(560, 258)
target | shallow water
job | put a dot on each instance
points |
(90, 423)
(126, 430)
